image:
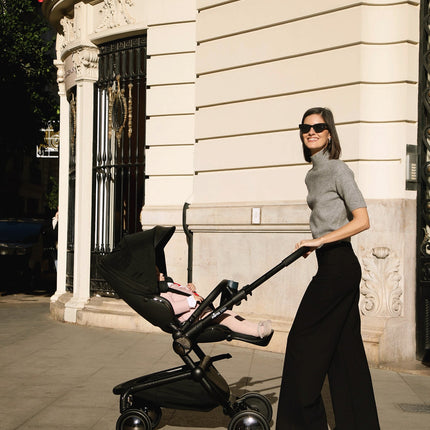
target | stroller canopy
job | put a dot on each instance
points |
(130, 268)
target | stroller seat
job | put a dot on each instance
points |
(196, 385)
(159, 312)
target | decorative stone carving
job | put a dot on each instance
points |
(86, 63)
(61, 73)
(425, 244)
(69, 31)
(381, 290)
(60, 44)
(116, 13)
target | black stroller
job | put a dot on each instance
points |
(196, 385)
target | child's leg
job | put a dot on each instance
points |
(239, 324)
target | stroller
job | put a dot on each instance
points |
(196, 385)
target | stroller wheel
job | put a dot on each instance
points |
(133, 419)
(248, 420)
(154, 413)
(259, 403)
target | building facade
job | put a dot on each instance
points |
(186, 112)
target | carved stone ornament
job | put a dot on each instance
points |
(425, 244)
(381, 292)
(86, 63)
(61, 73)
(61, 43)
(116, 13)
(68, 30)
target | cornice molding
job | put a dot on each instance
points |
(116, 12)
(55, 10)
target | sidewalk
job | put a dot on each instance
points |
(60, 376)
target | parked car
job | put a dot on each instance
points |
(24, 253)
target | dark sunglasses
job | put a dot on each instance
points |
(318, 128)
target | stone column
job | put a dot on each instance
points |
(63, 182)
(85, 60)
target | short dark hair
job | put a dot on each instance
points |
(333, 146)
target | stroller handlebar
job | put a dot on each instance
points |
(240, 295)
(295, 255)
(284, 263)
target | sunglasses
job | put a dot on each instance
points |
(318, 128)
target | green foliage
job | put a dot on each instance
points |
(52, 197)
(28, 87)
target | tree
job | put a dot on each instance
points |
(28, 87)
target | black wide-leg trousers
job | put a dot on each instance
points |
(325, 338)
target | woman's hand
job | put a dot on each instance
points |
(312, 244)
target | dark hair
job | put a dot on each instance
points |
(333, 147)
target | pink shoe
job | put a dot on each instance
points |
(264, 328)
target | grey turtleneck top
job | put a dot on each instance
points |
(332, 194)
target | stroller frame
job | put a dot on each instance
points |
(141, 398)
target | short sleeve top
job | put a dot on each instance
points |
(332, 194)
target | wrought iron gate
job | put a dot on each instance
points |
(119, 149)
(72, 185)
(423, 195)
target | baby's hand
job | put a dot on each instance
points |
(191, 287)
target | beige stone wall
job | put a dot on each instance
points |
(260, 65)
(170, 101)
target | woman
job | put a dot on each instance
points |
(325, 336)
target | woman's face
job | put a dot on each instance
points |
(312, 140)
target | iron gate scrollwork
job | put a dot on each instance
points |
(423, 194)
(119, 150)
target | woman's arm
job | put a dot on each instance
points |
(359, 222)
